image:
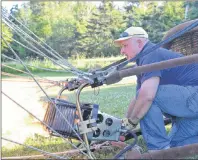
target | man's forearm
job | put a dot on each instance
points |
(130, 108)
(144, 99)
(140, 108)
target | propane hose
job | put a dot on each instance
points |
(129, 147)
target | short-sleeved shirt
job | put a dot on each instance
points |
(186, 75)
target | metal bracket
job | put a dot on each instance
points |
(83, 126)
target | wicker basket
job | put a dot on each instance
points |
(186, 44)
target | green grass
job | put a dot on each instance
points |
(113, 100)
(82, 64)
(50, 144)
(54, 74)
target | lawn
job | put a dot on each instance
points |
(112, 99)
(82, 64)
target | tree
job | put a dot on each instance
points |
(22, 17)
(82, 29)
(41, 18)
(7, 34)
(193, 10)
(103, 27)
(154, 17)
(69, 22)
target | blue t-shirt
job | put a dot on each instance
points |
(186, 75)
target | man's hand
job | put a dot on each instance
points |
(128, 124)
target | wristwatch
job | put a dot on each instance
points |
(133, 124)
(128, 124)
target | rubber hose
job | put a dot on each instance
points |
(129, 147)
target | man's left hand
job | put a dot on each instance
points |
(128, 124)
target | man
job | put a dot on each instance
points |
(170, 92)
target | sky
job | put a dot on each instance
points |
(8, 4)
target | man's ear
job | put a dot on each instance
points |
(140, 43)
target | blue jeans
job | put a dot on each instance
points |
(180, 103)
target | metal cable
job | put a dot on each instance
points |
(84, 76)
(47, 69)
(39, 52)
(11, 38)
(42, 122)
(13, 75)
(41, 79)
(30, 79)
(149, 50)
(47, 87)
(44, 55)
(34, 35)
(25, 34)
(34, 79)
(45, 93)
(176, 35)
(34, 148)
(21, 24)
(59, 58)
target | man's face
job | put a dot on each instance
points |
(130, 47)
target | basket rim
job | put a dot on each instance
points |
(178, 28)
